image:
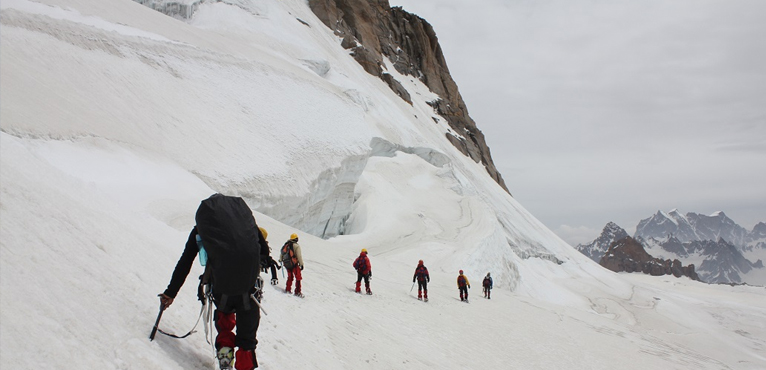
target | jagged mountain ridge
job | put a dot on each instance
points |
(672, 235)
(694, 226)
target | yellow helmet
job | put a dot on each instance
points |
(263, 232)
(364, 250)
(293, 236)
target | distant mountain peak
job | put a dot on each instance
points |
(611, 226)
(690, 227)
(596, 249)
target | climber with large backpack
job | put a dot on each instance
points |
(292, 260)
(227, 237)
(363, 271)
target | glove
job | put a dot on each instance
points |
(469, 287)
(301, 267)
(165, 300)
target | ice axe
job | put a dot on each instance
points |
(157, 322)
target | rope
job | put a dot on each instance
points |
(192, 331)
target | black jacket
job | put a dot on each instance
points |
(187, 260)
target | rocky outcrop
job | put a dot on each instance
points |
(372, 30)
(629, 255)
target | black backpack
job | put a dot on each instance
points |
(230, 236)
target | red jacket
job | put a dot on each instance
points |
(362, 264)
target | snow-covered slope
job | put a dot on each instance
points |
(117, 120)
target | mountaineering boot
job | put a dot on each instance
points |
(225, 357)
(274, 281)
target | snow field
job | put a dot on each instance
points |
(112, 135)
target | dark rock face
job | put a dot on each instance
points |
(397, 87)
(629, 255)
(372, 30)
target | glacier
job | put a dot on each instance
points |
(117, 120)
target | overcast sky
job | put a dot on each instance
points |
(599, 111)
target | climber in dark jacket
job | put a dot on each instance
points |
(421, 275)
(487, 284)
(231, 310)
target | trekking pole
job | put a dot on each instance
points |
(413, 287)
(157, 322)
(252, 296)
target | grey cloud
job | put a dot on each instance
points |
(600, 111)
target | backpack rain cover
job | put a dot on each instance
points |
(230, 236)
